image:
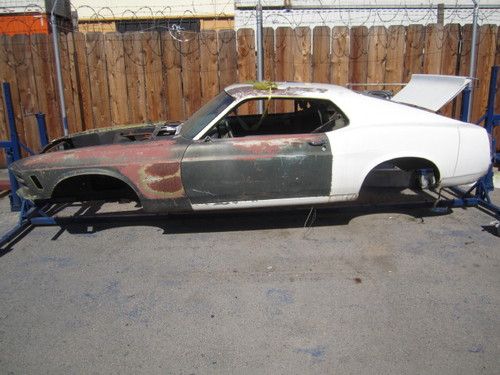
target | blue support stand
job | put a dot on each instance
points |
(478, 194)
(42, 129)
(13, 148)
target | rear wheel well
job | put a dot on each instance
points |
(408, 166)
(93, 187)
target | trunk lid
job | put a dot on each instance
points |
(431, 91)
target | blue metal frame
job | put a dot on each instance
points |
(478, 194)
(42, 129)
(12, 147)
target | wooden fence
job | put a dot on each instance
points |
(113, 78)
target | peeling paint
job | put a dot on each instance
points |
(244, 91)
(162, 180)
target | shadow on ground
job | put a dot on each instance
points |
(89, 217)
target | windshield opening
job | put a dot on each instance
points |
(205, 115)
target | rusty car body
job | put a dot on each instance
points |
(289, 144)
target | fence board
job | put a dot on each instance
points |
(246, 55)
(321, 54)
(191, 80)
(227, 58)
(75, 92)
(45, 83)
(21, 57)
(67, 84)
(134, 68)
(434, 36)
(284, 54)
(269, 60)
(83, 80)
(118, 92)
(269, 54)
(339, 72)
(98, 79)
(4, 69)
(246, 64)
(358, 61)
(414, 53)
(394, 64)
(464, 60)
(302, 54)
(485, 57)
(155, 103)
(284, 61)
(9, 74)
(377, 49)
(449, 60)
(171, 58)
(209, 66)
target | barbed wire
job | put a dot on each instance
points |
(243, 18)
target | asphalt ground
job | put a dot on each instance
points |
(368, 291)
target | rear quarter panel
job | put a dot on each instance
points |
(358, 149)
(474, 156)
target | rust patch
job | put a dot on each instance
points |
(271, 148)
(162, 169)
(284, 90)
(161, 180)
(167, 184)
(273, 144)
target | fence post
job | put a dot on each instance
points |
(260, 52)
(472, 69)
(57, 57)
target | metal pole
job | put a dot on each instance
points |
(472, 69)
(260, 54)
(14, 151)
(11, 118)
(60, 89)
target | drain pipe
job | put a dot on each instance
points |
(473, 59)
(60, 89)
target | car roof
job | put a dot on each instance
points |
(360, 109)
(288, 89)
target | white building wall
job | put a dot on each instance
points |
(91, 9)
(364, 12)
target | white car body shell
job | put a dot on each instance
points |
(378, 131)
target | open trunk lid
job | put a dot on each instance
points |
(431, 91)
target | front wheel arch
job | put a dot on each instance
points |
(73, 180)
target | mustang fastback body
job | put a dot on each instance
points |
(253, 146)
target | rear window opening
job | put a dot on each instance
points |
(279, 116)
